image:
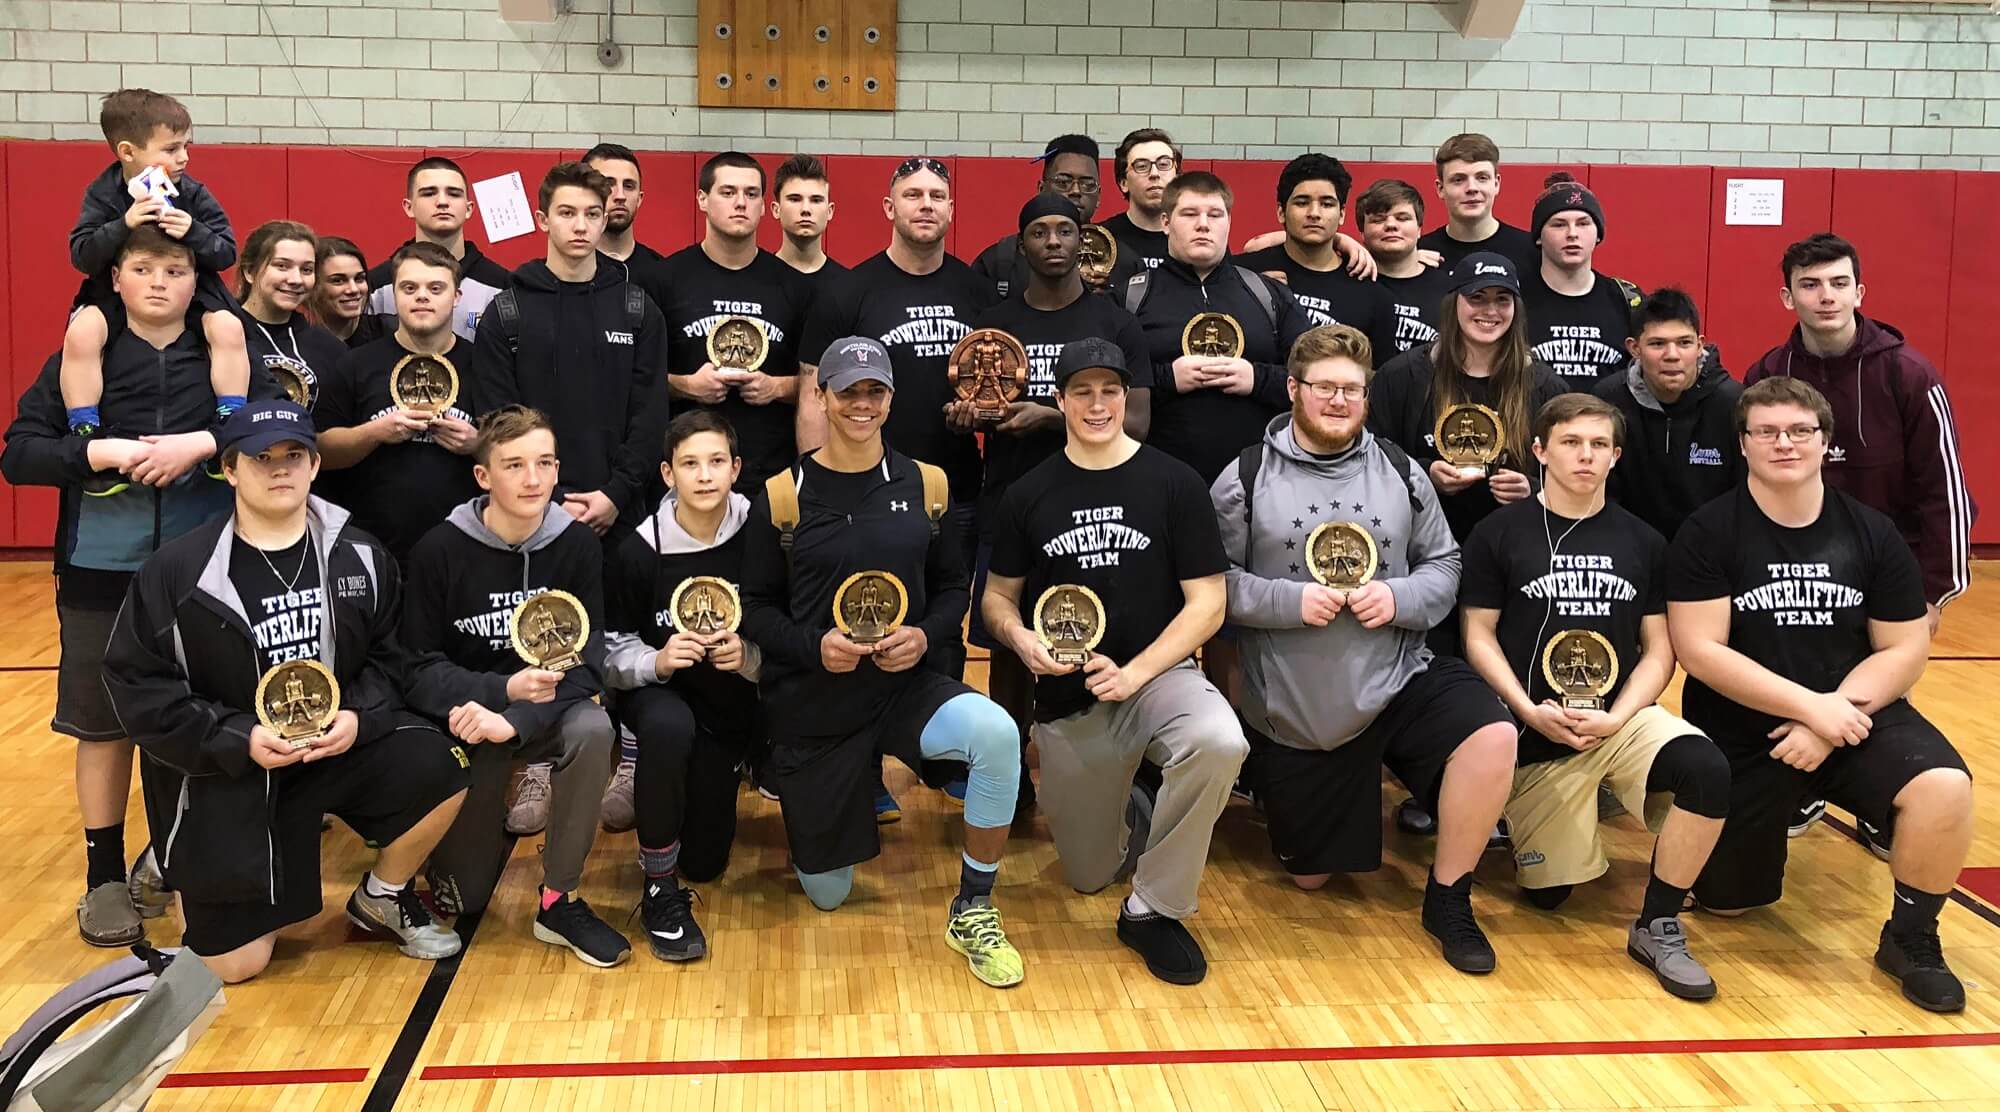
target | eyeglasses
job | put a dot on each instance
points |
(911, 165)
(1327, 391)
(1064, 183)
(1797, 434)
(1143, 166)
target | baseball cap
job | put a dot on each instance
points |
(1484, 270)
(258, 425)
(1087, 354)
(853, 359)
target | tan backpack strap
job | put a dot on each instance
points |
(782, 491)
(937, 493)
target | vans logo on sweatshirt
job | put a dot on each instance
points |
(1704, 457)
(611, 337)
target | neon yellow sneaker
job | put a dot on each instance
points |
(975, 932)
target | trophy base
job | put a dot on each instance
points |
(988, 415)
(1073, 657)
(563, 663)
(1582, 702)
(872, 637)
(296, 742)
(1472, 471)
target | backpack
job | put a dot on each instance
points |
(118, 1063)
(782, 490)
(1140, 285)
(1251, 461)
(506, 307)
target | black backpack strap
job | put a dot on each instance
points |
(1136, 289)
(635, 309)
(1400, 460)
(1260, 288)
(507, 310)
(1248, 463)
(1633, 294)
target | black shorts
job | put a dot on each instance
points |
(380, 790)
(827, 789)
(1324, 807)
(83, 705)
(1747, 868)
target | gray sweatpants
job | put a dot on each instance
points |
(581, 745)
(1185, 726)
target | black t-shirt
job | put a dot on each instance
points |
(1510, 242)
(282, 597)
(298, 347)
(1043, 333)
(919, 318)
(1131, 534)
(699, 294)
(829, 275)
(1333, 297)
(1582, 337)
(1414, 301)
(1800, 599)
(1149, 247)
(398, 491)
(1607, 572)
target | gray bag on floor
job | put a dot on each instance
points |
(117, 1064)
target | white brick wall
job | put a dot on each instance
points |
(1754, 82)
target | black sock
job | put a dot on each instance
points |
(104, 853)
(1663, 901)
(1914, 912)
(973, 884)
(1550, 898)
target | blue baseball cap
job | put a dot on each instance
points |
(1485, 270)
(257, 426)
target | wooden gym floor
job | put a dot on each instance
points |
(1328, 1000)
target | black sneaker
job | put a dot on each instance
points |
(1918, 962)
(1806, 817)
(1448, 917)
(667, 910)
(1876, 838)
(1411, 818)
(1170, 951)
(570, 922)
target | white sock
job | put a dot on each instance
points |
(1136, 907)
(381, 889)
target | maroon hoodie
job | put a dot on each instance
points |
(1894, 447)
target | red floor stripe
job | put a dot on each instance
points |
(228, 1079)
(1201, 1057)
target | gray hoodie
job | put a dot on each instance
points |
(1317, 687)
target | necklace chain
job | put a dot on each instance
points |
(304, 555)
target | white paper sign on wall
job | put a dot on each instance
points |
(1755, 201)
(503, 205)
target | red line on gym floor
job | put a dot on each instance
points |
(233, 1079)
(1080, 1059)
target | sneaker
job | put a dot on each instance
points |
(887, 810)
(618, 813)
(530, 812)
(954, 794)
(1608, 804)
(105, 916)
(1876, 838)
(1170, 950)
(1501, 836)
(1138, 826)
(445, 896)
(1448, 918)
(404, 918)
(1411, 818)
(975, 932)
(104, 484)
(1918, 962)
(667, 910)
(1662, 947)
(1807, 816)
(570, 922)
(147, 887)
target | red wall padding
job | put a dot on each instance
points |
(1664, 225)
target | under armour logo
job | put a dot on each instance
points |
(899, 506)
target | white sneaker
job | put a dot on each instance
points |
(618, 813)
(530, 812)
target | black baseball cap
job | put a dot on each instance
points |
(257, 426)
(1088, 354)
(1485, 270)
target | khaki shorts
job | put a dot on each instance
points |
(1553, 811)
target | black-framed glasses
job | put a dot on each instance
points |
(1066, 183)
(1797, 434)
(911, 165)
(1327, 391)
(1142, 166)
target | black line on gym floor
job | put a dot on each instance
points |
(1957, 895)
(27, 667)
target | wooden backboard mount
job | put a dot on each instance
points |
(830, 54)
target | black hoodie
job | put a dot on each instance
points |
(1678, 455)
(1208, 428)
(574, 353)
(465, 582)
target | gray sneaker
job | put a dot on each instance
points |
(530, 812)
(1609, 806)
(105, 916)
(403, 918)
(1662, 947)
(618, 813)
(148, 888)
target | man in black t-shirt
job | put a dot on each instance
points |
(728, 277)
(1145, 163)
(401, 470)
(620, 167)
(802, 203)
(1799, 615)
(1312, 201)
(1129, 524)
(1468, 182)
(1578, 320)
(1069, 170)
(1390, 214)
(1566, 585)
(438, 200)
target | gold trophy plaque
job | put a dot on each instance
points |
(1215, 335)
(738, 344)
(988, 368)
(1070, 621)
(424, 383)
(297, 701)
(1469, 437)
(294, 378)
(1096, 254)
(549, 630)
(869, 606)
(1341, 555)
(1582, 667)
(704, 605)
